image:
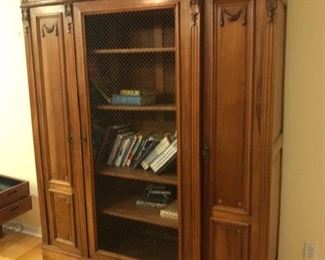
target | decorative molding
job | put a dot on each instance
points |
(49, 30)
(68, 15)
(271, 6)
(195, 11)
(259, 107)
(26, 19)
(233, 17)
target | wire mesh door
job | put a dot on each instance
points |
(132, 82)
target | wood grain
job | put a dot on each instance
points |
(20, 247)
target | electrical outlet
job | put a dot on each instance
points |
(310, 251)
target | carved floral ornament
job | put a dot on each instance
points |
(195, 11)
(271, 6)
(25, 17)
(68, 15)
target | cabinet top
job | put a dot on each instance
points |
(31, 3)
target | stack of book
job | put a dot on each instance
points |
(154, 151)
(135, 97)
(157, 196)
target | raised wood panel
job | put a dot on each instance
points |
(58, 127)
(232, 105)
(63, 229)
(229, 241)
(54, 94)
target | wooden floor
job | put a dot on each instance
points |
(20, 246)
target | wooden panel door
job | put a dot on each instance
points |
(227, 130)
(242, 128)
(56, 127)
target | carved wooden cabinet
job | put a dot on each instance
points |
(216, 70)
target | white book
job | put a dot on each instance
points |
(164, 157)
(162, 146)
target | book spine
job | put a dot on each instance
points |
(132, 100)
(130, 92)
(150, 204)
(126, 100)
(114, 150)
(121, 152)
(162, 146)
(133, 140)
(164, 157)
(134, 150)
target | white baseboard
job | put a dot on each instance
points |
(29, 230)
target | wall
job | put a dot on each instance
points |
(16, 143)
(303, 194)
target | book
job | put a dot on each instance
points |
(165, 158)
(133, 100)
(146, 149)
(162, 146)
(116, 147)
(137, 92)
(157, 196)
(107, 142)
(101, 92)
(123, 147)
(170, 211)
(133, 140)
(134, 150)
(144, 203)
(137, 154)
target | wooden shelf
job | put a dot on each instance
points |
(128, 209)
(155, 107)
(140, 247)
(135, 50)
(140, 175)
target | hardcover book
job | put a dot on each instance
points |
(137, 92)
(162, 146)
(165, 158)
(134, 150)
(115, 149)
(133, 100)
(146, 149)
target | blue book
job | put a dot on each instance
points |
(133, 100)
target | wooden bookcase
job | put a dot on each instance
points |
(217, 71)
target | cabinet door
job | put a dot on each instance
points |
(227, 131)
(133, 45)
(56, 127)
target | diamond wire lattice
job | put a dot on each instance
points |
(133, 51)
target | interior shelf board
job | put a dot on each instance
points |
(128, 248)
(135, 50)
(139, 174)
(128, 209)
(155, 107)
